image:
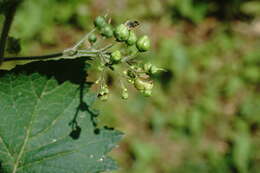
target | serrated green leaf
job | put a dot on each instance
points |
(36, 134)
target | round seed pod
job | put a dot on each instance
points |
(124, 94)
(147, 93)
(132, 38)
(103, 97)
(121, 33)
(148, 85)
(107, 31)
(100, 22)
(143, 43)
(147, 67)
(92, 38)
(116, 56)
(154, 70)
(139, 84)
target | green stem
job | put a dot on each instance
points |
(9, 16)
(49, 56)
(33, 57)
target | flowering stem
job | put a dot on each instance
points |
(33, 57)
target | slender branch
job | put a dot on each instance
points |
(33, 57)
(71, 52)
(82, 40)
(9, 16)
(79, 53)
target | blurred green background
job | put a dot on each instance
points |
(204, 115)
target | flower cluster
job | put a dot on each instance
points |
(123, 51)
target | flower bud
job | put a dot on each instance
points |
(101, 67)
(147, 67)
(131, 81)
(116, 56)
(121, 33)
(139, 84)
(92, 38)
(100, 22)
(154, 70)
(147, 93)
(124, 94)
(132, 38)
(103, 97)
(148, 85)
(143, 43)
(104, 90)
(107, 31)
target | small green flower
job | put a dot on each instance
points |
(147, 67)
(132, 38)
(154, 69)
(147, 93)
(101, 67)
(143, 43)
(124, 94)
(103, 97)
(92, 38)
(107, 31)
(100, 22)
(121, 33)
(116, 56)
(139, 84)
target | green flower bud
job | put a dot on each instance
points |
(116, 56)
(143, 43)
(130, 74)
(124, 94)
(125, 72)
(154, 70)
(139, 84)
(101, 67)
(143, 85)
(121, 33)
(132, 38)
(147, 93)
(104, 90)
(148, 85)
(103, 97)
(100, 22)
(131, 81)
(147, 67)
(107, 31)
(92, 38)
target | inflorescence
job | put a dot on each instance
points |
(123, 51)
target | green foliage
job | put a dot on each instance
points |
(46, 126)
(33, 10)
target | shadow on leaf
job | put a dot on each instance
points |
(73, 70)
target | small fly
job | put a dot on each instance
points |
(132, 24)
